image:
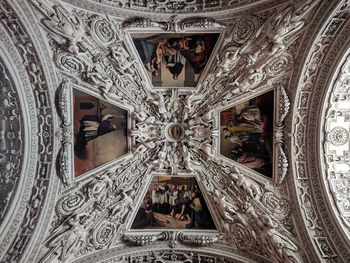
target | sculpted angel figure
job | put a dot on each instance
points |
(276, 244)
(96, 75)
(226, 208)
(123, 206)
(122, 58)
(228, 62)
(249, 186)
(98, 189)
(65, 29)
(70, 241)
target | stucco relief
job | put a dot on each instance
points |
(336, 145)
(171, 6)
(174, 132)
(11, 139)
(31, 199)
(321, 60)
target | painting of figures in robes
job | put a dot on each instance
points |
(100, 132)
(174, 60)
(247, 133)
(173, 203)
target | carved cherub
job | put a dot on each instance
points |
(96, 75)
(249, 186)
(227, 209)
(227, 63)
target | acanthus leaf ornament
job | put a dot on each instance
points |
(142, 240)
(174, 24)
(141, 22)
(173, 238)
(199, 240)
(282, 111)
(63, 165)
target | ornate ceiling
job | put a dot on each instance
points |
(298, 51)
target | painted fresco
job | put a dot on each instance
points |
(247, 133)
(100, 130)
(173, 203)
(174, 60)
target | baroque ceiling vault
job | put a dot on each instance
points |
(244, 105)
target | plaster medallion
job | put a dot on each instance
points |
(174, 132)
(338, 136)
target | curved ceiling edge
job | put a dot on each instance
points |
(334, 146)
(164, 253)
(322, 230)
(39, 106)
(114, 10)
(13, 140)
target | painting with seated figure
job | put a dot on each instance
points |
(100, 132)
(173, 203)
(172, 59)
(246, 133)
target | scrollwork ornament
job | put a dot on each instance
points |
(103, 30)
(171, 131)
(69, 63)
(244, 236)
(277, 206)
(71, 203)
(103, 234)
(245, 29)
(35, 189)
(279, 64)
(11, 139)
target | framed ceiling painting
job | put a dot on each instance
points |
(176, 58)
(100, 132)
(250, 133)
(173, 202)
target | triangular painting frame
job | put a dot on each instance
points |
(240, 100)
(151, 30)
(156, 231)
(112, 162)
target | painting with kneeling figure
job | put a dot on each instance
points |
(246, 133)
(100, 132)
(173, 203)
(174, 59)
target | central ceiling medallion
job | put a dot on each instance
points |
(174, 132)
